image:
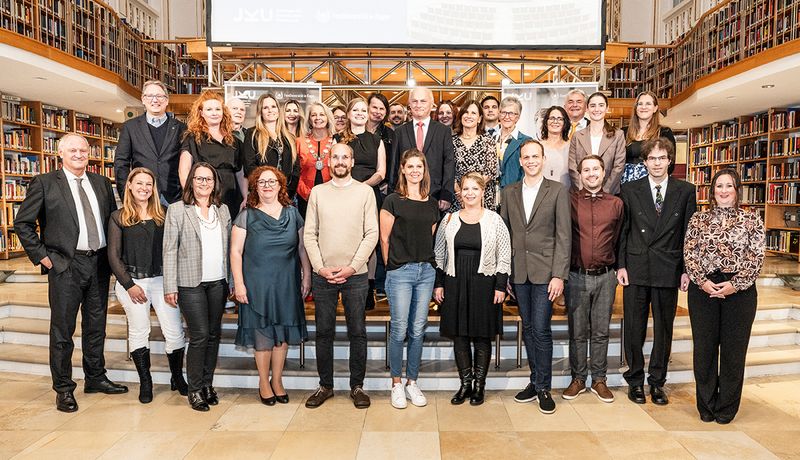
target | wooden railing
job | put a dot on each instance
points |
(92, 31)
(727, 34)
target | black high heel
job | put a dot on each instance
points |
(283, 399)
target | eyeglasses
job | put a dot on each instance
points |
(340, 118)
(155, 97)
(267, 182)
(508, 114)
(203, 180)
(658, 158)
(555, 119)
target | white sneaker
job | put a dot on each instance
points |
(398, 396)
(415, 395)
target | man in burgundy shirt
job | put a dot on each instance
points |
(596, 224)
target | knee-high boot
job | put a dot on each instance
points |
(464, 363)
(141, 358)
(482, 358)
(176, 382)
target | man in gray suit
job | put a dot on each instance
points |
(152, 140)
(537, 213)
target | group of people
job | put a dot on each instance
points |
(315, 201)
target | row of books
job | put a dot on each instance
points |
(15, 189)
(53, 117)
(14, 110)
(105, 170)
(788, 193)
(699, 156)
(725, 154)
(725, 132)
(21, 164)
(783, 241)
(700, 176)
(12, 244)
(753, 151)
(784, 171)
(87, 126)
(753, 194)
(753, 127)
(785, 147)
(754, 171)
(785, 120)
(9, 214)
(17, 138)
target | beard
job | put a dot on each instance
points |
(340, 172)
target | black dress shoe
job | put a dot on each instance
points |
(65, 402)
(283, 399)
(723, 421)
(104, 386)
(197, 402)
(658, 395)
(210, 395)
(636, 394)
(707, 418)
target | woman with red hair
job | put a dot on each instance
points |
(267, 258)
(209, 138)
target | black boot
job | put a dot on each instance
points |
(141, 358)
(197, 401)
(370, 305)
(464, 363)
(482, 358)
(176, 382)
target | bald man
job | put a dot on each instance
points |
(72, 207)
(434, 139)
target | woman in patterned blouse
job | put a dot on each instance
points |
(724, 253)
(474, 152)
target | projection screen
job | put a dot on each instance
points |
(468, 24)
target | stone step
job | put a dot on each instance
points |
(236, 372)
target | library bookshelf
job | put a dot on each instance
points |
(765, 149)
(31, 130)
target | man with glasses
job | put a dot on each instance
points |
(650, 265)
(509, 141)
(153, 141)
(433, 139)
(491, 116)
(575, 105)
(341, 231)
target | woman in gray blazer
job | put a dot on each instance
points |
(196, 236)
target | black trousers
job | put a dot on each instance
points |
(720, 334)
(83, 285)
(637, 301)
(202, 307)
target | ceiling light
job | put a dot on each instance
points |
(411, 82)
(452, 92)
(731, 97)
(119, 110)
(80, 91)
(678, 122)
(697, 115)
(99, 102)
(40, 78)
(457, 82)
(767, 86)
(505, 82)
(713, 107)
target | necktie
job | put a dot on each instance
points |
(492, 132)
(420, 136)
(88, 215)
(659, 200)
(572, 130)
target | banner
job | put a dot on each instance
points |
(538, 97)
(249, 92)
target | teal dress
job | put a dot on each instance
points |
(271, 269)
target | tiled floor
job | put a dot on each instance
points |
(115, 427)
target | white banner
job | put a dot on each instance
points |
(249, 92)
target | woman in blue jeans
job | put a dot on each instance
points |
(407, 221)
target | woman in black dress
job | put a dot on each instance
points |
(473, 261)
(269, 143)
(369, 156)
(645, 125)
(209, 138)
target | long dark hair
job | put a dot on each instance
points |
(566, 124)
(458, 128)
(188, 187)
(424, 185)
(607, 128)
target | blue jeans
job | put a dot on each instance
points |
(409, 291)
(536, 310)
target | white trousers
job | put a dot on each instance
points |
(138, 314)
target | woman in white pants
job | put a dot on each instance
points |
(135, 236)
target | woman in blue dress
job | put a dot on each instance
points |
(271, 276)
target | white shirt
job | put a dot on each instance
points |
(211, 241)
(496, 133)
(83, 235)
(155, 122)
(529, 196)
(653, 187)
(595, 143)
(426, 123)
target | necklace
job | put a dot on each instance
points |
(209, 224)
(319, 156)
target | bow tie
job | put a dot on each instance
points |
(589, 195)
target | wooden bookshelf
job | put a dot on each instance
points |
(765, 149)
(626, 79)
(31, 130)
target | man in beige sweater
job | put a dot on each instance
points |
(341, 231)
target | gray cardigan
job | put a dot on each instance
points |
(183, 249)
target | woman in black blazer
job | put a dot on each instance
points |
(644, 125)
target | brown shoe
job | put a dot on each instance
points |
(320, 396)
(576, 387)
(602, 392)
(360, 399)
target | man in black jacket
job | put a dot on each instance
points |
(72, 207)
(152, 140)
(434, 139)
(650, 265)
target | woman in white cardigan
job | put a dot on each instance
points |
(473, 259)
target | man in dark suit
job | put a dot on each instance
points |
(537, 213)
(434, 139)
(152, 140)
(72, 207)
(650, 265)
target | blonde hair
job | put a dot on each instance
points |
(262, 136)
(328, 115)
(347, 133)
(653, 129)
(129, 216)
(476, 177)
